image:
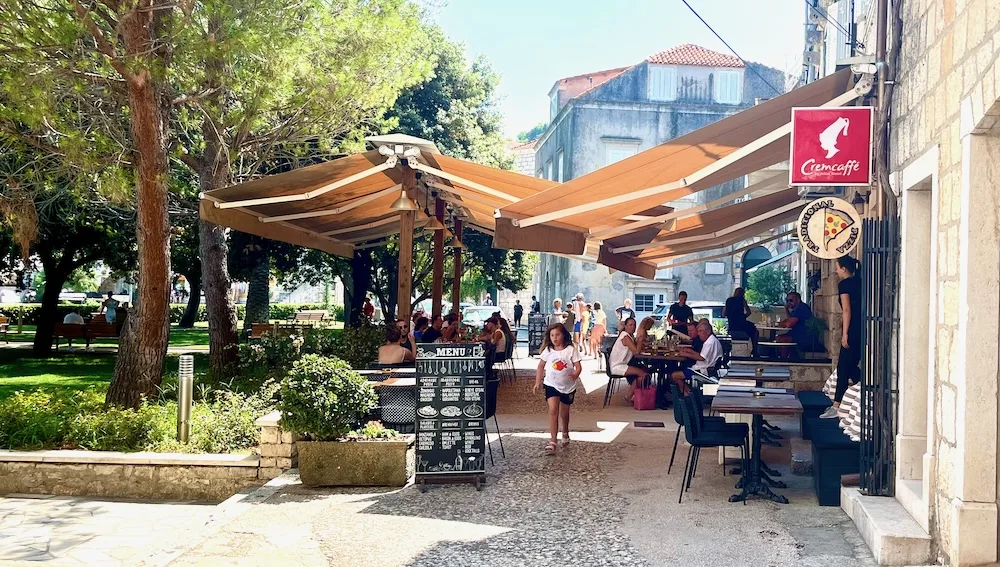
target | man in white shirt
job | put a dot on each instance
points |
(709, 356)
(73, 318)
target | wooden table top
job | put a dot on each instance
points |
(660, 356)
(745, 402)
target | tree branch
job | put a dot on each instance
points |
(102, 42)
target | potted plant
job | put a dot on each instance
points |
(326, 402)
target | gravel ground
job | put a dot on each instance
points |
(604, 501)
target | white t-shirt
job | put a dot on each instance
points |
(73, 319)
(620, 355)
(559, 368)
(711, 351)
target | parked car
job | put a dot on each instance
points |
(477, 315)
(711, 310)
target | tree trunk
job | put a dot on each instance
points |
(190, 316)
(47, 315)
(222, 333)
(214, 174)
(258, 292)
(361, 279)
(146, 333)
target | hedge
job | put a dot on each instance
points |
(281, 311)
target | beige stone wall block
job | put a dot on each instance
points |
(961, 28)
(288, 437)
(268, 473)
(276, 450)
(269, 435)
(970, 74)
(943, 364)
(945, 474)
(950, 300)
(283, 463)
(947, 50)
(977, 24)
(973, 538)
(948, 7)
(268, 462)
(945, 414)
(992, 15)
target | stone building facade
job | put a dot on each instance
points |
(599, 118)
(945, 163)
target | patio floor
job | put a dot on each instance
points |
(604, 500)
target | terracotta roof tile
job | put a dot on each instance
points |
(690, 54)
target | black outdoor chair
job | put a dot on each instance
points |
(710, 422)
(699, 437)
(492, 387)
(398, 408)
(612, 378)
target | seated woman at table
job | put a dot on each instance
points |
(393, 352)
(508, 333)
(621, 357)
(494, 335)
(642, 337)
(711, 352)
(451, 333)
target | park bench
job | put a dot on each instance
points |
(4, 324)
(309, 317)
(97, 328)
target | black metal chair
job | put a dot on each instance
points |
(710, 422)
(492, 387)
(398, 408)
(612, 379)
(699, 437)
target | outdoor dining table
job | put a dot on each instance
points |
(660, 363)
(757, 402)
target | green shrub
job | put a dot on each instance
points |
(41, 419)
(372, 430)
(269, 356)
(358, 346)
(113, 429)
(324, 399)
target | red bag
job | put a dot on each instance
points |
(644, 398)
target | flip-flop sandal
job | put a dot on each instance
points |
(564, 442)
(550, 448)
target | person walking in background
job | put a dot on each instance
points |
(600, 321)
(570, 321)
(578, 308)
(518, 311)
(851, 334)
(489, 300)
(558, 370)
(368, 309)
(585, 324)
(536, 307)
(624, 313)
(110, 308)
(558, 316)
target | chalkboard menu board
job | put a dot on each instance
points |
(536, 332)
(451, 411)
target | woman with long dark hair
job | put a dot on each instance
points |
(852, 331)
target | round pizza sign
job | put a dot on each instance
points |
(829, 228)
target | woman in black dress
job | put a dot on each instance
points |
(852, 331)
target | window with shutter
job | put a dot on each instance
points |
(662, 83)
(548, 170)
(729, 87)
(553, 105)
(617, 151)
(559, 167)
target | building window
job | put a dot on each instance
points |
(662, 83)
(559, 166)
(729, 87)
(665, 274)
(644, 302)
(553, 105)
(617, 151)
(548, 170)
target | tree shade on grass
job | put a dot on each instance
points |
(69, 371)
(197, 336)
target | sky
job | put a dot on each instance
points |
(532, 43)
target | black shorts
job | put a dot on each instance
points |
(567, 399)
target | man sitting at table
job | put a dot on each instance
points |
(711, 352)
(433, 332)
(393, 352)
(798, 314)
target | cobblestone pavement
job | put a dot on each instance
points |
(606, 500)
(62, 531)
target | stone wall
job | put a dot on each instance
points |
(277, 447)
(947, 86)
(146, 476)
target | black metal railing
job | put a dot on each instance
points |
(879, 390)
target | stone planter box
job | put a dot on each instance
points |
(357, 463)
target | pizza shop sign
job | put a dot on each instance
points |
(831, 146)
(829, 228)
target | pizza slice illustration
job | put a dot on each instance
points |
(836, 223)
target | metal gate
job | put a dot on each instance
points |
(879, 376)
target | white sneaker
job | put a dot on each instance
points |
(830, 413)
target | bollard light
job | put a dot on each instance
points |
(185, 392)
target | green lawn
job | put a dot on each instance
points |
(198, 336)
(72, 370)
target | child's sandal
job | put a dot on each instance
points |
(564, 442)
(550, 448)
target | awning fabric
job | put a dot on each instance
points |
(357, 208)
(774, 259)
(680, 167)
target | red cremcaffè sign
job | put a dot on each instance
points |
(831, 146)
